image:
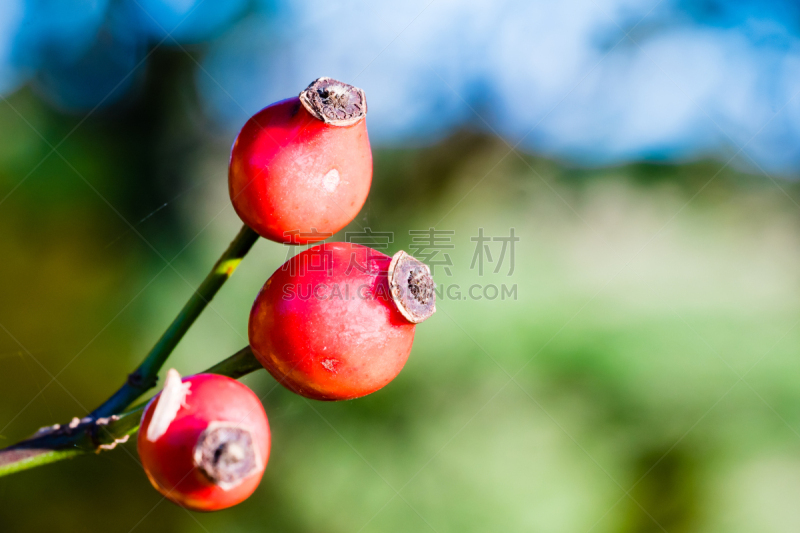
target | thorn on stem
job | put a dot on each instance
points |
(137, 381)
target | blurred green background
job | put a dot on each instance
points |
(643, 378)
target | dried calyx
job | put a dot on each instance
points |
(412, 287)
(226, 454)
(334, 102)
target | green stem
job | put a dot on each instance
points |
(146, 375)
(94, 435)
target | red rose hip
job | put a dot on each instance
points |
(300, 169)
(204, 441)
(337, 321)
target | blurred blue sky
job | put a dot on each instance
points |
(589, 81)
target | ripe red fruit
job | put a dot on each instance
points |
(300, 169)
(204, 442)
(337, 321)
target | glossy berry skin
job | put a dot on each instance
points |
(169, 461)
(296, 179)
(328, 330)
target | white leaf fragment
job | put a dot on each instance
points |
(172, 397)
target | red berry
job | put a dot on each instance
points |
(337, 320)
(300, 169)
(210, 443)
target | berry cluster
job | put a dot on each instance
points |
(335, 322)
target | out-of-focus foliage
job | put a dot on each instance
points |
(644, 293)
(602, 81)
(643, 377)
